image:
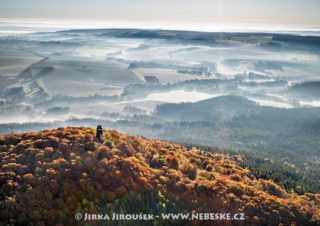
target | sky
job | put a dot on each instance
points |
(280, 13)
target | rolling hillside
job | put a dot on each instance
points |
(46, 177)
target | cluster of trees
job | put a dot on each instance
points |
(279, 170)
(46, 177)
(285, 175)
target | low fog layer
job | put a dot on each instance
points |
(118, 70)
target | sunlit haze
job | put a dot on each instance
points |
(187, 14)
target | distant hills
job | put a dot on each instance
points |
(306, 90)
(196, 35)
(46, 177)
(232, 108)
(218, 108)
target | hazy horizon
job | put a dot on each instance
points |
(18, 26)
(200, 15)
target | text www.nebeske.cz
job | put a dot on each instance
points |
(164, 216)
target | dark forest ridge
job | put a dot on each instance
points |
(291, 36)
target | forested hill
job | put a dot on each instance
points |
(46, 177)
